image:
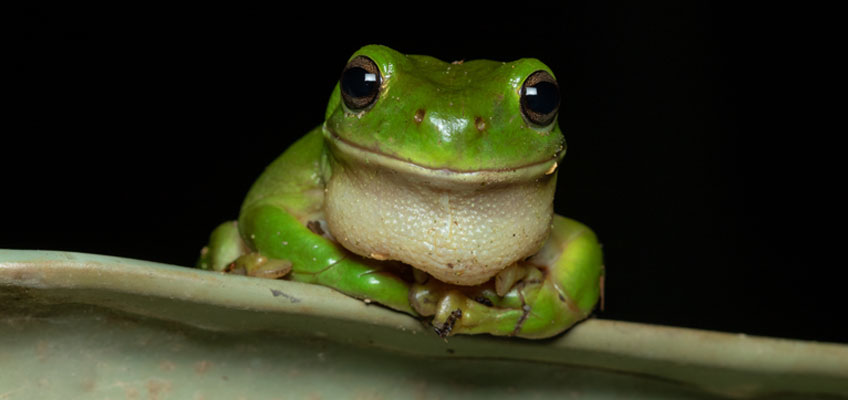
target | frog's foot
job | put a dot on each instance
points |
(538, 298)
(478, 309)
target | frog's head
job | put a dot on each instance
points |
(463, 116)
(447, 167)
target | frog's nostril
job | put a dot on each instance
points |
(480, 123)
(419, 116)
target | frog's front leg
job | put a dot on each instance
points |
(536, 298)
(279, 245)
(316, 259)
(279, 232)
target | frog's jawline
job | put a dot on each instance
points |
(535, 169)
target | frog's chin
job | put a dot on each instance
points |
(342, 148)
(460, 227)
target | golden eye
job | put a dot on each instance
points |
(360, 83)
(540, 98)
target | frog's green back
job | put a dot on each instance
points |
(463, 116)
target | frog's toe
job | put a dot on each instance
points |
(273, 269)
(256, 265)
(424, 298)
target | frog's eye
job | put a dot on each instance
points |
(360, 83)
(540, 98)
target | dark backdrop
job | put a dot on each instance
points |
(135, 132)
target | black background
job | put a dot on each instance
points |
(694, 133)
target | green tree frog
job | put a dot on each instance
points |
(428, 189)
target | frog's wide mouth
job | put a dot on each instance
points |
(347, 150)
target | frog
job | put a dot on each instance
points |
(428, 190)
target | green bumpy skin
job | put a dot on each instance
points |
(456, 127)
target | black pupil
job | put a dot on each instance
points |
(357, 82)
(543, 97)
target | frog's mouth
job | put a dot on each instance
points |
(347, 150)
